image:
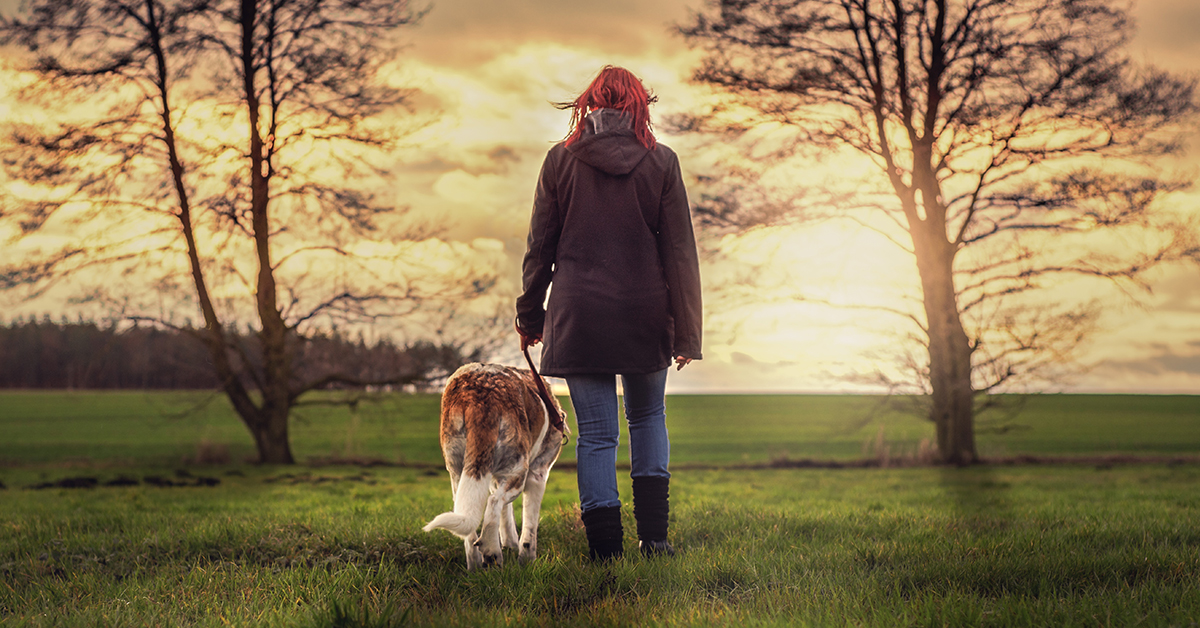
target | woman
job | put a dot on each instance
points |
(612, 231)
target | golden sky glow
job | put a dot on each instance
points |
(495, 65)
(489, 69)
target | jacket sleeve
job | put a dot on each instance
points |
(677, 249)
(537, 269)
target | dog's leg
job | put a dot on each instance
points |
(474, 556)
(508, 528)
(531, 507)
(489, 537)
(470, 503)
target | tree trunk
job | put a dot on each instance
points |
(271, 436)
(270, 433)
(952, 409)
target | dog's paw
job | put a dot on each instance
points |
(474, 559)
(528, 553)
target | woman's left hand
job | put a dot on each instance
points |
(681, 362)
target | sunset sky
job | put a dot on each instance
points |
(490, 68)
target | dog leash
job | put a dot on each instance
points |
(555, 415)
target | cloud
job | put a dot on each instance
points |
(1169, 371)
(1179, 291)
(466, 33)
(1167, 29)
(1162, 364)
(743, 360)
(737, 372)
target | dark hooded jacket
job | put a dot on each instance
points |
(612, 231)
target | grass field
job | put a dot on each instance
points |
(877, 547)
(167, 427)
(313, 546)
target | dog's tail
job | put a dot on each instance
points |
(469, 503)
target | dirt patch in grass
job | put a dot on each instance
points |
(309, 478)
(182, 479)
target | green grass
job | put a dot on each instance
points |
(1071, 545)
(165, 427)
(168, 427)
(321, 546)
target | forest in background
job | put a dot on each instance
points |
(84, 354)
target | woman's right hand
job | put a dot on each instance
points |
(681, 362)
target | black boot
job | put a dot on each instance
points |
(604, 533)
(651, 508)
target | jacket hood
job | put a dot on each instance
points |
(609, 143)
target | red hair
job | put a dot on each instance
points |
(614, 88)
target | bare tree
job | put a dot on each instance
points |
(1008, 134)
(234, 143)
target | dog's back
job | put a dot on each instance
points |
(494, 431)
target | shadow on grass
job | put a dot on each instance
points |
(978, 496)
(362, 615)
(288, 547)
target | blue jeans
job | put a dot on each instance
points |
(594, 398)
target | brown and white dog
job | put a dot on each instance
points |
(498, 442)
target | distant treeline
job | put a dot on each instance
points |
(84, 354)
